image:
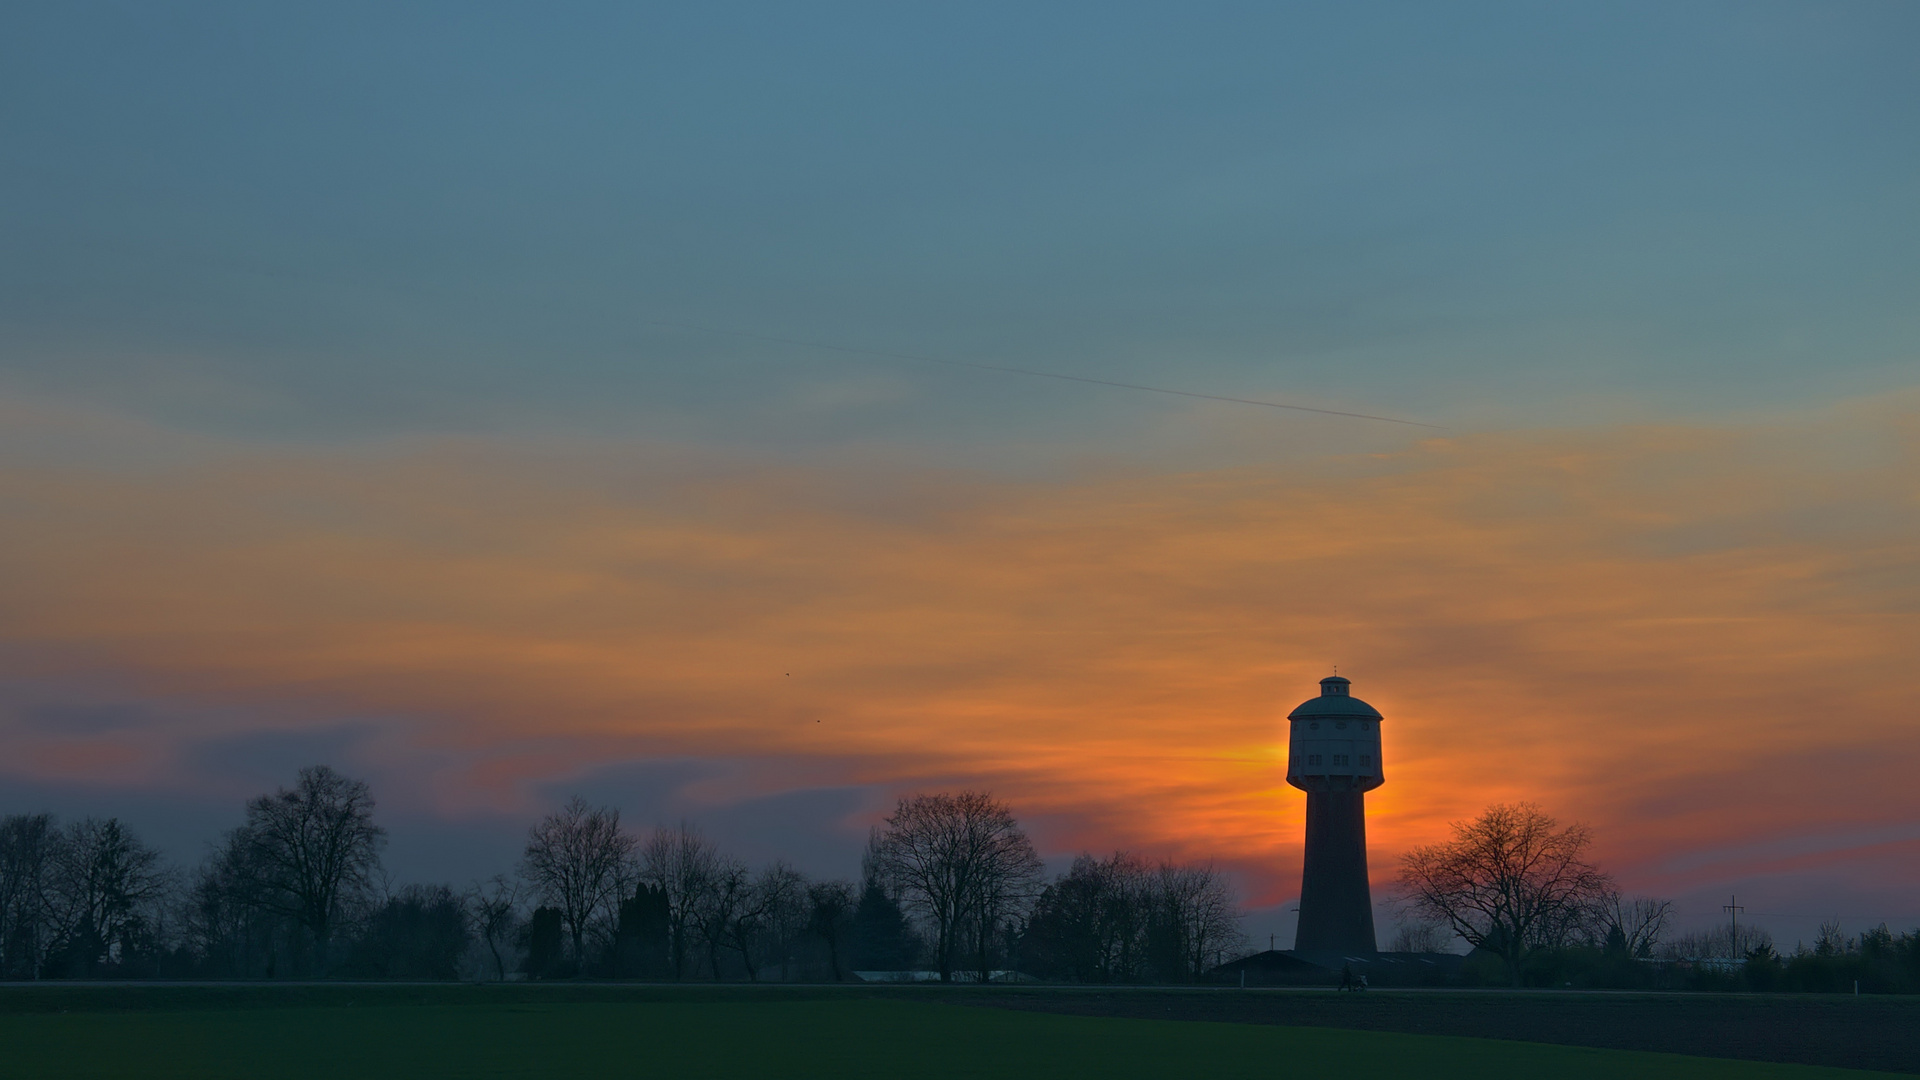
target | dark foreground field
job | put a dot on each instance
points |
(1851, 1032)
(374, 1032)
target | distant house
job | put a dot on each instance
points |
(1273, 967)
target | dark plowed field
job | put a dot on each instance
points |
(1850, 1032)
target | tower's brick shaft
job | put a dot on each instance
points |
(1333, 754)
(1336, 903)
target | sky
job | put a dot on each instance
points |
(506, 402)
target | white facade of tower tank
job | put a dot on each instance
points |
(1334, 742)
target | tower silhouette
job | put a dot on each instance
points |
(1333, 754)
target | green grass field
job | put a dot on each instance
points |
(843, 1038)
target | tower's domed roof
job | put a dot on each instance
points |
(1334, 701)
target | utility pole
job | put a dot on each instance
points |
(1733, 911)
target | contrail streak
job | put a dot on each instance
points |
(919, 358)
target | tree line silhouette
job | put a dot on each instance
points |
(1517, 886)
(950, 889)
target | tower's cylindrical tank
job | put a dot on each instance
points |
(1333, 754)
(1334, 744)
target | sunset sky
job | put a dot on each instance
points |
(426, 390)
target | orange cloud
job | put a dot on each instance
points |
(1694, 637)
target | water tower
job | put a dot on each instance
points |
(1333, 754)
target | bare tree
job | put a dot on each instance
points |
(830, 918)
(1195, 904)
(1633, 925)
(1065, 935)
(1123, 919)
(579, 861)
(720, 906)
(1510, 881)
(494, 906)
(683, 865)
(1126, 914)
(1832, 939)
(228, 918)
(787, 918)
(29, 844)
(772, 916)
(317, 851)
(962, 862)
(1719, 944)
(106, 888)
(416, 932)
(1093, 922)
(1420, 936)
(1001, 895)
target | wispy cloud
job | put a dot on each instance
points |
(1699, 638)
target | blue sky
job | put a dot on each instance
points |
(393, 219)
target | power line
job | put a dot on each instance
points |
(1798, 915)
(977, 366)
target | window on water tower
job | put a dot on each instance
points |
(1313, 759)
(1366, 759)
(1339, 759)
